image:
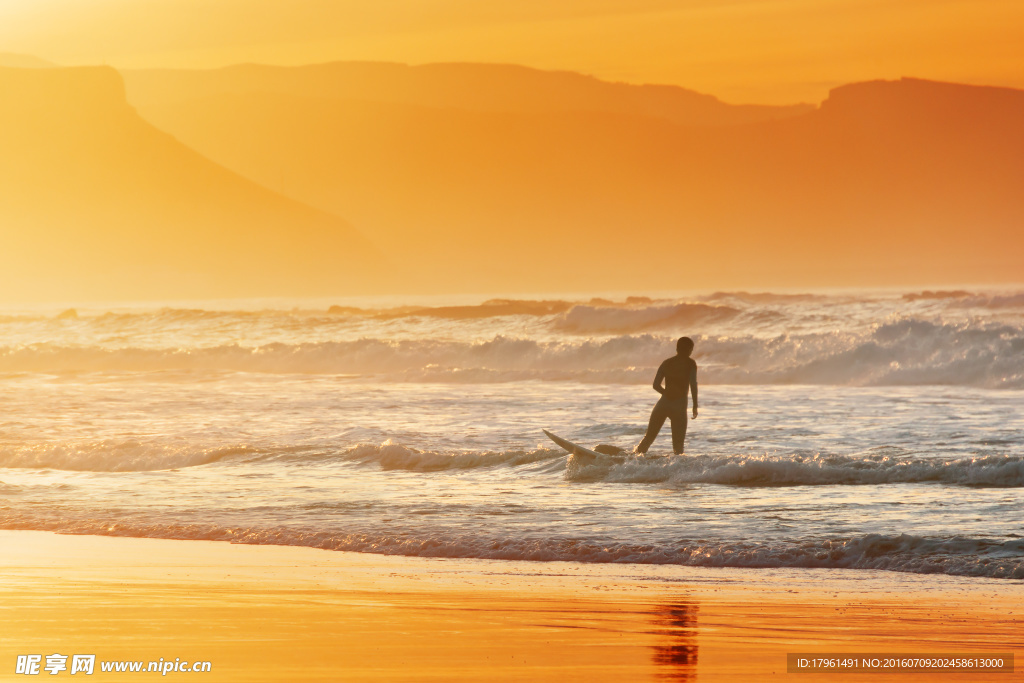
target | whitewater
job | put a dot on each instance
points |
(848, 430)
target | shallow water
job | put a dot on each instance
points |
(417, 432)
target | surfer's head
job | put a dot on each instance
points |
(684, 347)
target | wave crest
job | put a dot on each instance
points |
(997, 471)
(112, 455)
(902, 351)
(957, 556)
(393, 456)
(586, 319)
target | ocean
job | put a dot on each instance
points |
(847, 430)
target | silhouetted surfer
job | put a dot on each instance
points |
(680, 376)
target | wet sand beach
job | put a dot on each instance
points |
(273, 613)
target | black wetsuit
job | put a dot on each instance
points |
(680, 376)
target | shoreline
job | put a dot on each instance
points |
(276, 613)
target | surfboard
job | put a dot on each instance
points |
(581, 452)
(587, 454)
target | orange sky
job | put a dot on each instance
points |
(764, 51)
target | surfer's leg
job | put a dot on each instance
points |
(678, 418)
(658, 416)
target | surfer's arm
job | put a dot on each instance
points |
(659, 378)
(693, 388)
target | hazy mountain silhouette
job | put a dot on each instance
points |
(24, 61)
(901, 182)
(97, 203)
(473, 87)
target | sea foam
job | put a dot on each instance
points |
(958, 556)
(898, 352)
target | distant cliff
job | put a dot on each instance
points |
(470, 87)
(888, 183)
(95, 203)
(921, 99)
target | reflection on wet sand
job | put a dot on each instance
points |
(676, 655)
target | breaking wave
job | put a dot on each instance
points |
(999, 471)
(767, 470)
(493, 308)
(594, 319)
(965, 299)
(958, 556)
(392, 456)
(128, 455)
(904, 351)
(499, 359)
(764, 297)
(1003, 471)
